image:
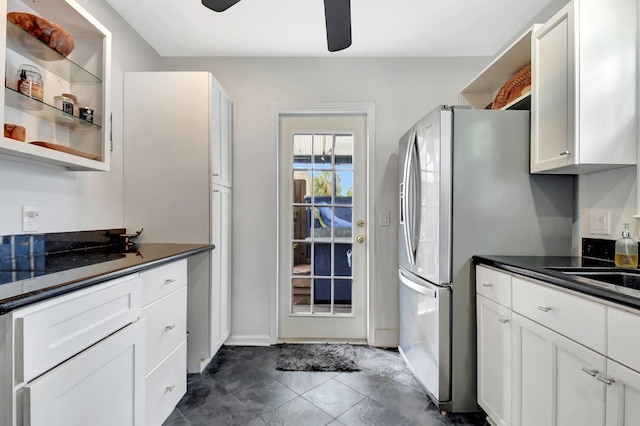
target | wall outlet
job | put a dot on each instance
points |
(29, 218)
(600, 222)
(385, 218)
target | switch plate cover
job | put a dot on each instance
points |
(600, 222)
(29, 219)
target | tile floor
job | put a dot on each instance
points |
(241, 386)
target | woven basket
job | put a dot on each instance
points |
(513, 88)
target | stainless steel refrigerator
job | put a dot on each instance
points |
(465, 189)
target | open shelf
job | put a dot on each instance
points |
(480, 92)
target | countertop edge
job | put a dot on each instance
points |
(69, 287)
(557, 279)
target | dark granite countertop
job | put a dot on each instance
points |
(541, 268)
(59, 273)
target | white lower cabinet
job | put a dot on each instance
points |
(494, 354)
(555, 379)
(102, 386)
(623, 395)
(573, 360)
(165, 313)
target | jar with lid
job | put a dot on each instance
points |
(76, 105)
(30, 82)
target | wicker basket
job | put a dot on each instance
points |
(513, 88)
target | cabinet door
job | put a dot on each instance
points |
(553, 105)
(220, 266)
(103, 385)
(494, 360)
(221, 135)
(623, 395)
(555, 379)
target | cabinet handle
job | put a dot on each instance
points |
(592, 373)
(216, 174)
(503, 320)
(605, 380)
(169, 388)
(170, 327)
(565, 153)
(487, 285)
(544, 308)
(170, 280)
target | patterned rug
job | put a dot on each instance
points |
(317, 357)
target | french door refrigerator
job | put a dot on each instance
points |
(465, 189)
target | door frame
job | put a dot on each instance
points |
(346, 108)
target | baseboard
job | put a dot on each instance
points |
(385, 338)
(248, 340)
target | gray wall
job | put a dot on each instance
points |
(402, 89)
(78, 200)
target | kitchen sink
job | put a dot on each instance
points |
(629, 278)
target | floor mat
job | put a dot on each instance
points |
(317, 357)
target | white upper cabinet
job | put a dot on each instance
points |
(221, 146)
(481, 91)
(64, 138)
(584, 70)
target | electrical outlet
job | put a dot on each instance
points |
(29, 218)
(385, 218)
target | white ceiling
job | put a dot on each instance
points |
(380, 28)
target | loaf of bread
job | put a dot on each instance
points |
(53, 35)
(14, 131)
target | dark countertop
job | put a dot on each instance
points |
(58, 274)
(537, 267)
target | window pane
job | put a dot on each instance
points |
(323, 185)
(322, 260)
(344, 184)
(344, 152)
(302, 151)
(323, 151)
(322, 291)
(342, 262)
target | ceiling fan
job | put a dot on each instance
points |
(337, 14)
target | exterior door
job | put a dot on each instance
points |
(323, 229)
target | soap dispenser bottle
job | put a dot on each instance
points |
(626, 250)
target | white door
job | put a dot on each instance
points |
(323, 227)
(623, 395)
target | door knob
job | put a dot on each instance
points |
(360, 239)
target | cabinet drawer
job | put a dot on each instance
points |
(623, 331)
(160, 281)
(166, 385)
(575, 317)
(166, 321)
(53, 331)
(494, 285)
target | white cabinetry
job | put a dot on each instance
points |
(80, 356)
(79, 144)
(583, 108)
(573, 359)
(165, 313)
(177, 185)
(494, 344)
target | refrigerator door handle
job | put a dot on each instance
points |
(402, 203)
(408, 204)
(426, 289)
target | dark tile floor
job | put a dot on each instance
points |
(241, 386)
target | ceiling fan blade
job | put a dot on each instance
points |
(337, 15)
(219, 5)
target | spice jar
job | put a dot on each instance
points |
(87, 115)
(64, 103)
(30, 82)
(76, 105)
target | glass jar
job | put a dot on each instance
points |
(30, 82)
(76, 105)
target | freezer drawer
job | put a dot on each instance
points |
(425, 337)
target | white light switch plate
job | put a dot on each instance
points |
(29, 219)
(600, 222)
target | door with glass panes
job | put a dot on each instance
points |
(323, 229)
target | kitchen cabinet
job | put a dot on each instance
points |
(63, 355)
(164, 310)
(221, 265)
(493, 311)
(554, 378)
(482, 90)
(73, 143)
(584, 72)
(177, 186)
(573, 359)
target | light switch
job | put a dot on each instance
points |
(599, 222)
(29, 219)
(385, 218)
